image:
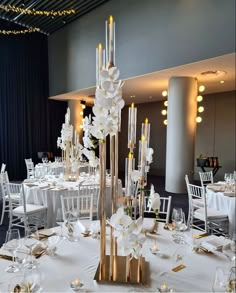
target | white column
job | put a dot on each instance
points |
(181, 129)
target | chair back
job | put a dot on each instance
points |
(206, 178)
(164, 212)
(30, 168)
(196, 193)
(3, 168)
(3, 184)
(84, 205)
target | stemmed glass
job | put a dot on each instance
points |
(60, 221)
(71, 220)
(11, 244)
(21, 254)
(177, 218)
(221, 280)
(31, 238)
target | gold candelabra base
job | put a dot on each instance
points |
(137, 273)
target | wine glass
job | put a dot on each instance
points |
(177, 218)
(60, 221)
(33, 277)
(221, 280)
(21, 255)
(11, 244)
(71, 220)
(31, 238)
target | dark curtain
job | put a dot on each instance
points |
(29, 122)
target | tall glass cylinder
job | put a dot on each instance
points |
(132, 127)
(99, 63)
(129, 167)
(110, 43)
(146, 131)
(142, 155)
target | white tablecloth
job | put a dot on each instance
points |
(39, 193)
(223, 201)
(80, 259)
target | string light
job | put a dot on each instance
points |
(199, 98)
(18, 32)
(201, 88)
(165, 122)
(12, 8)
(164, 112)
(199, 119)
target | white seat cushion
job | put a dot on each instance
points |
(212, 214)
(30, 209)
(15, 197)
(198, 202)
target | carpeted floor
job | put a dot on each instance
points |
(178, 200)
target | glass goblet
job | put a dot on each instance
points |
(220, 280)
(177, 219)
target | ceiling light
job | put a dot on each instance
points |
(199, 119)
(200, 109)
(164, 93)
(201, 88)
(213, 73)
(166, 103)
(163, 112)
(199, 98)
(133, 96)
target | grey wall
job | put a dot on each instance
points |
(150, 35)
(218, 121)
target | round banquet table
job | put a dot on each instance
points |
(80, 260)
(48, 193)
(223, 201)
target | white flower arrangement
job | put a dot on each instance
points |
(128, 233)
(107, 105)
(154, 201)
(66, 135)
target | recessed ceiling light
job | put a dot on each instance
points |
(213, 73)
(132, 96)
(222, 81)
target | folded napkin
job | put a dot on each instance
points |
(39, 250)
(213, 244)
(46, 232)
(4, 254)
(82, 227)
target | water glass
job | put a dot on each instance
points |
(221, 280)
(31, 238)
(177, 219)
(11, 243)
(33, 276)
(60, 221)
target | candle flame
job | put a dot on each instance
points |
(99, 46)
(143, 138)
(76, 281)
(111, 18)
(130, 156)
(164, 286)
(146, 121)
(132, 105)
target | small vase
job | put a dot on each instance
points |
(154, 227)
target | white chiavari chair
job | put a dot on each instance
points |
(164, 212)
(203, 218)
(30, 168)
(206, 178)
(23, 214)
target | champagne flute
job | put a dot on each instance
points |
(11, 244)
(31, 238)
(60, 221)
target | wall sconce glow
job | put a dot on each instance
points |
(81, 113)
(199, 98)
(165, 122)
(199, 119)
(164, 112)
(201, 88)
(166, 103)
(222, 81)
(200, 109)
(164, 93)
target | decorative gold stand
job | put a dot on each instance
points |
(137, 273)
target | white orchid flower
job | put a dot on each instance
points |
(149, 154)
(154, 201)
(112, 74)
(135, 176)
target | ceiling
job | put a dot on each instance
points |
(47, 24)
(149, 87)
